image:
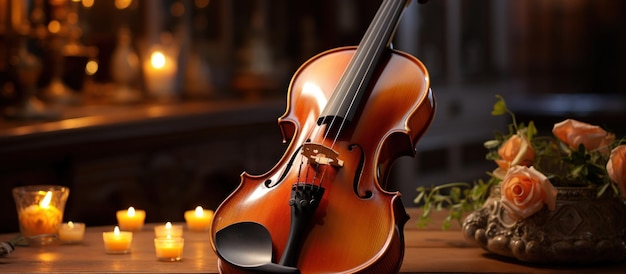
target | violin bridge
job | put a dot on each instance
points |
(321, 154)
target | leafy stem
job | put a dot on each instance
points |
(458, 197)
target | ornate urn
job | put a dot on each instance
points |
(583, 228)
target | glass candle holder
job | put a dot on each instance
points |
(169, 249)
(173, 231)
(199, 219)
(72, 232)
(117, 242)
(40, 212)
(160, 72)
(131, 219)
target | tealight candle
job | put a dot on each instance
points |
(131, 219)
(71, 232)
(199, 219)
(174, 231)
(117, 242)
(169, 248)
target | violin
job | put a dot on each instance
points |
(323, 208)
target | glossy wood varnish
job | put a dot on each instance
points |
(358, 225)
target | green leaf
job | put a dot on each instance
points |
(531, 130)
(419, 197)
(602, 189)
(491, 144)
(578, 171)
(455, 194)
(499, 108)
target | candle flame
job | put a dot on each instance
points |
(45, 203)
(116, 230)
(70, 224)
(157, 59)
(168, 225)
(131, 211)
(199, 211)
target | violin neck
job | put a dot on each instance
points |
(355, 80)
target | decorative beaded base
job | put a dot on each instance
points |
(582, 229)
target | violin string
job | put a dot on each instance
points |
(377, 43)
(306, 174)
(377, 27)
(322, 177)
(298, 180)
(367, 47)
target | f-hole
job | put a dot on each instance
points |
(358, 173)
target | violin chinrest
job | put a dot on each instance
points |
(248, 245)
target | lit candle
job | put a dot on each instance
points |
(131, 219)
(199, 219)
(174, 231)
(71, 232)
(117, 242)
(41, 218)
(169, 248)
(160, 74)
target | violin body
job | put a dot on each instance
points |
(357, 226)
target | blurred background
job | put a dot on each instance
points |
(161, 105)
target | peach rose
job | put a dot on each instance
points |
(517, 150)
(616, 168)
(573, 133)
(525, 190)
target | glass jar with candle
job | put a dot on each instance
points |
(117, 242)
(131, 219)
(169, 248)
(40, 212)
(199, 219)
(72, 232)
(168, 230)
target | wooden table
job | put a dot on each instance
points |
(427, 250)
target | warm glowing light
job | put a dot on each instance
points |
(199, 219)
(91, 67)
(117, 242)
(88, 3)
(168, 231)
(71, 232)
(131, 211)
(45, 203)
(54, 26)
(199, 211)
(131, 219)
(122, 4)
(47, 256)
(157, 59)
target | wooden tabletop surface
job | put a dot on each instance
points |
(427, 250)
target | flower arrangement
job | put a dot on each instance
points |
(530, 167)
